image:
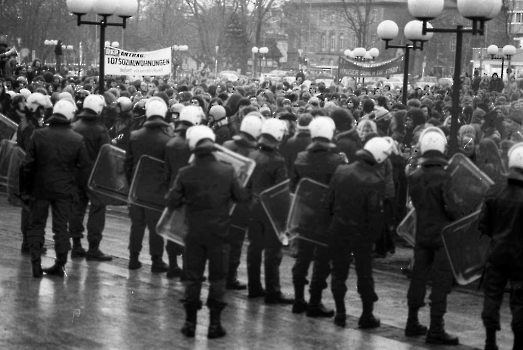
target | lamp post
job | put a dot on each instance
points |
(177, 53)
(388, 30)
(216, 64)
(477, 11)
(508, 51)
(105, 9)
(260, 52)
(361, 54)
(68, 49)
(50, 44)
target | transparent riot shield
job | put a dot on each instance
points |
(13, 177)
(407, 227)
(173, 225)
(148, 188)
(7, 127)
(308, 218)
(276, 202)
(108, 175)
(467, 252)
(7, 148)
(469, 184)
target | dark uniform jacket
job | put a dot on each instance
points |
(150, 141)
(502, 221)
(120, 132)
(207, 187)
(431, 194)
(222, 132)
(349, 142)
(269, 171)
(177, 154)
(355, 199)
(53, 156)
(95, 136)
(296, 144)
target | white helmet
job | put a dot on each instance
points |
(95, 103)
(381, 148)
(251, 125)
(155, 107)
(25, 92)
(432, 139)
(217, 112)
(515, 156)
(322, 127)
(11, 93)
(177, 108)
(198, 133)
(274, 128)
(36, 100)
(125, 103)
(65, 108)
(191, 114)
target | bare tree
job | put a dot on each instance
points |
(358, 16)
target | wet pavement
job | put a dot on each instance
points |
(103, 305)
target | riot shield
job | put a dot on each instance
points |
(407, 227)
(276, 202)
(469, 184)
(13, 177)
(7, 148)
(467, 252)
(108, 175)
(173, 225)
(308, 219)
(7, 127)
(148, 188)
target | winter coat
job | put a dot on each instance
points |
(355, 199)
(349, 142)
(502, 221)
(177, 155)
(206, 186)
(431, 194)
(120, 132)
(53, 155)
(296, 144)
(150, 141)
(496, 85)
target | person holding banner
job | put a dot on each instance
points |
(206, 187)
(150, 140)
(501, 220)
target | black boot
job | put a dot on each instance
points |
(414, 328)
(134, 263)
(215, 326)
(36, 261)
(24, 249)
(94, 253)
(189, 328)
(316, 308)
(367, 318)
(300, 305)
(78, 251)
(174, 270)
(233, 283)
(341, 316)
(437, 333)
(158, 264)
(490, 342)
(58, 268)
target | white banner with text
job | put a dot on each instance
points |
(120, 62)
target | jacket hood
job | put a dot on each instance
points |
(155, 121)
(242, 140)
(320, 145)
(433, 158)
(58, 119)
(366, 157)
(350, 134)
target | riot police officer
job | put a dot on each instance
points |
(501, 221)
(318, 162)
(243, 144)
(121, 130)
(355, 201)
(150, 140)
(207, 186)
(219, 124)
(95, 136)
(53, 156)
(429, 189)
(270, 170)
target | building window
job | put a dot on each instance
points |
(333, 42)
(373, 39)
(323, 43)
(341, 42)
(354, 41)
(517, 17)
(451, 68)
(374, 17)
(453, 44)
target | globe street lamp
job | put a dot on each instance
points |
(104, 8)
(50, 44)
(178, 52)
(361, 54)
(260, 52)
(508, 51)
(114, 44)
(388, 30)
(478, 12)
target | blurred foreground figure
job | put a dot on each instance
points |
(502, 221)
